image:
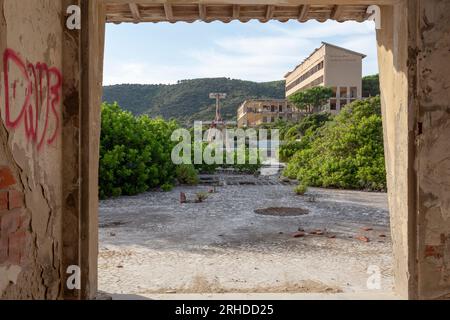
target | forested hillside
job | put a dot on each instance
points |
(188, 100)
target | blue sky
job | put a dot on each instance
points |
(164, 53)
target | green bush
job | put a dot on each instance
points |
(166, 187)
(301, 189)
(135, 153)
(300, 135)
(186, 174)
(347, 152)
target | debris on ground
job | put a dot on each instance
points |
(201, 197)
(212, 190)
(367, 229)
(183, 198)
(298, 234)
(362, 238)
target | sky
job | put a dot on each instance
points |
(164, 53)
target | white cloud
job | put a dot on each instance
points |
(262, 57)
(143, 73)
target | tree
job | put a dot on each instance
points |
(313, 99)
(371, 86)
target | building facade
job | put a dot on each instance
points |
(255, 112)
(330, 66)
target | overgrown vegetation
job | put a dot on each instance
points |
(346, 151)
(135, 155)
(301, 189)
(298, 136)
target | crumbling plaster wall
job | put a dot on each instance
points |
(398, 123)
(415, 41)
(30, 148)
(433, 147)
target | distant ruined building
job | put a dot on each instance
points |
(331, 66)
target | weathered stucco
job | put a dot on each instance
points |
(433, 149)
(398, 108)
(415, 40)
(30, 148)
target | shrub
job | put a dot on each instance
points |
(135, 153)
(301, 189)
(201, 197)
(347, 152)
(186, 174)
(167, 187)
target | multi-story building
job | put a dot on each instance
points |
(255, 112)
(330, 66)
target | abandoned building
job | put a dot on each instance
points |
(49, 135)
(255, 112)
(329, 66)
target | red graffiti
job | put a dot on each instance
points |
(37, 109)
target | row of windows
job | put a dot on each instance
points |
(305, 76)
(270, 109)
(314, 83)
(274, 119)
(345, 92)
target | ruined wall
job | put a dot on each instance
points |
(433, 147)
(30, 148)
(415, 40)
(398, 108)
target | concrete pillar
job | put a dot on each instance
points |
(414, 55)
(92, 44)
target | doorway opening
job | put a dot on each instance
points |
(211, 237)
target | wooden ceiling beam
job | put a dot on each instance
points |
(168, 10)
(336, 12)
(236, 11)
(303, 12)
(269, 12)
(202, 11)
(135, 12)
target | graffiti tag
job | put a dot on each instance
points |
(32, 98)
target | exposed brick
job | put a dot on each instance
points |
(3, 249)
(6, 178)
(15, 199)
(10, 223)
(3, 200)
(16, 247)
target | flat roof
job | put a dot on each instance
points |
(325, 44)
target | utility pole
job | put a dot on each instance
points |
(218, 97)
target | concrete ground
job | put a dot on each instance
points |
(151, 246)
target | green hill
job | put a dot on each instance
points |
(188, 100)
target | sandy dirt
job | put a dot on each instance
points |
(153, 244)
